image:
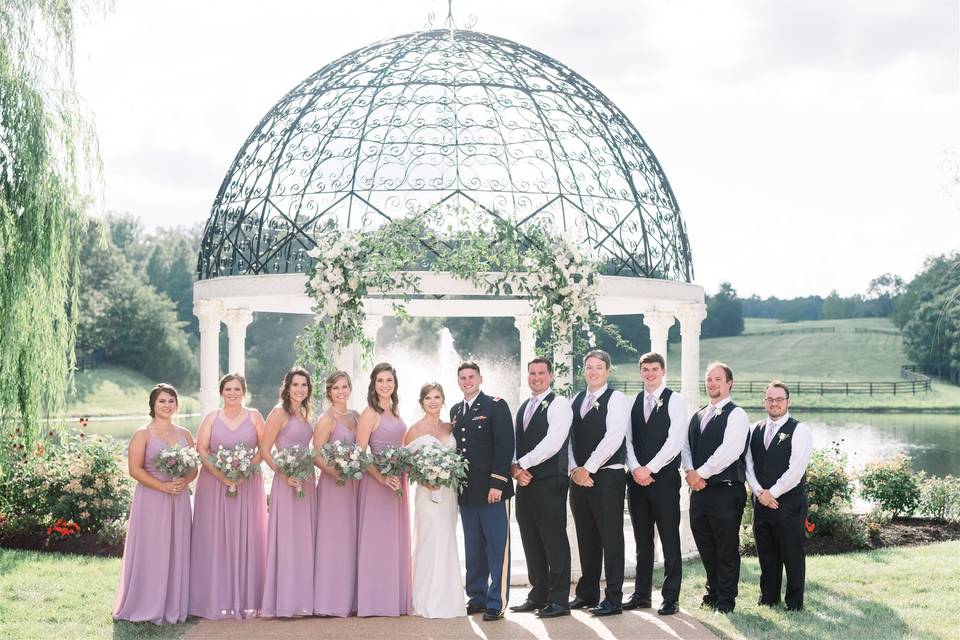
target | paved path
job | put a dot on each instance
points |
(516, 626)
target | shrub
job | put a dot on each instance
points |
(940, 498)
(829, 493)
(80, 478)
(892, 485)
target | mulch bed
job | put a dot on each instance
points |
(899, 532)
(81, 545)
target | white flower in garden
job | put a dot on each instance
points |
(330, 308)
(315, 252)
(353, 282)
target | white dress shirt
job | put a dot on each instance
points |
(618, 423)
(559, 417)
(734, 440)
(677, 409)
(801, 450)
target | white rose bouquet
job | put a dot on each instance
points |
(439, 467)
(348, 459)
(235, 463)
(177, 461)
(295, 462)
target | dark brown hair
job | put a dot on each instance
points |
(599, 354)
(234, 376)
(652, 357)
(285, 399)
(427, 388)
(332, 380)
(539, 360)
(372, 398)
(155, 393)
(776, 384)
(469, 364)
(727, 371)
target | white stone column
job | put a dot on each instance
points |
(209, 313)
(237, 321)
(360, 367)
(528, 343)
(659, 323)
(690, 314)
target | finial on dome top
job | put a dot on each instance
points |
(449, 22)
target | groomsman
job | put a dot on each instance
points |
(597, 460)
(540, 469)
(777, 459)
(658, 425)
(484, 436)
(713, 457)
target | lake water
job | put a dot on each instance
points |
(931, 440)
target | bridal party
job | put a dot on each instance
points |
(360, 518)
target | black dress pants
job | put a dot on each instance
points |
(657, 504)
(598, 517)
(542, 518)
(715, 514)
(780, 545)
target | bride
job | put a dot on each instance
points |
(437, 585)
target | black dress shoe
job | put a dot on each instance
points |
(708, 603)
(606, 608)
(580, 603)
(553, 610)
(766, 603)
(668, 608)
(492, 614)
(723, 610)
(476, 608)
(637, 603)
(527, 607)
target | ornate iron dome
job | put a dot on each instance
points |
(444, 116)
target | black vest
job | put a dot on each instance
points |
(649, 437)
(770, 464)
(528, 438)
(703, 445)
(587, 432)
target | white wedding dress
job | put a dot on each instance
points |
(437, 585)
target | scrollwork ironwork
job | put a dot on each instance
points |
(444, 116)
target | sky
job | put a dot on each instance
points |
(812, 145)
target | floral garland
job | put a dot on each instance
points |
(553, 271)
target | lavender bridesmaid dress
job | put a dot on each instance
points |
(290, 535)
(155, 574)
(228, 553)
(335, 571)
(383, 556)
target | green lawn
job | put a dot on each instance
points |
(115, 391)
(800, 355)
(903, 592)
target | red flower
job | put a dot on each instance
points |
(809, 526)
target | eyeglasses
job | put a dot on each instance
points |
(774, 400)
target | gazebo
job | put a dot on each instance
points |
(438, 118)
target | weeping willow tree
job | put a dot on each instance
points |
(47, 167)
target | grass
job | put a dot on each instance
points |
(115, 391)
(889, 593)
(842, 355)
(52, 595)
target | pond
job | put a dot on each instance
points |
(931, 440)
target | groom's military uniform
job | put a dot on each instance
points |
(484, 436)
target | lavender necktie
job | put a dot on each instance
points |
(707, 417)
(531, 409)
(768, 436)
(587, 405)
(648, 408)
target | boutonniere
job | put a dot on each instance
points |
(718, 413)
(544, 404)
(782, 436)
(596, 405)
(658, 404)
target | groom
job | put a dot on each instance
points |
(483, 430)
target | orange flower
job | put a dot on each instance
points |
(809, 526)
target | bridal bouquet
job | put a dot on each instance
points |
(177, 461)
(348, 459)
(394, 462)
(295, 462)
(236, 463)
(439, 467)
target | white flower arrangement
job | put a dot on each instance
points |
(782, 436)
(658, 404)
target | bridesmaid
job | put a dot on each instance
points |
(290, 533)
(155, 574)
(383, 557)
(228, 554)
(335, 571)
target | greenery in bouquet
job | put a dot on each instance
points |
(295, 462)
(235, 463)
(439, 467)
(393, 462)
(349, 460)
(177, 461)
